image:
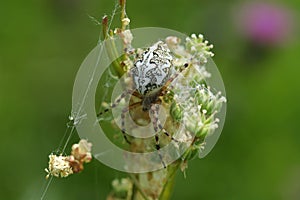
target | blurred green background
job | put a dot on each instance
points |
(42, 44)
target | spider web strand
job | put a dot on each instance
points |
(77, 115)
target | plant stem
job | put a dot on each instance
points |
(137, 185)
(111, 47)
(169, 185)
(123, 14)
(105, 27)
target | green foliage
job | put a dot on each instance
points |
(42, 46)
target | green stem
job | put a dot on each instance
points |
(123, 24)
(105, 27)
(134, 188)
(168, 187)
(111, 47)
(123, 13)
(137, 185)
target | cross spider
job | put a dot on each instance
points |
(151, 76)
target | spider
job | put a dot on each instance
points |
(151, 76)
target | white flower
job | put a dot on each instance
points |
(59, 166)
(200, 50)
(126, 21)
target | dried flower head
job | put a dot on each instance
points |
(59, 166)
(63, 166)
(82, 151)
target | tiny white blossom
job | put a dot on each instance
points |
(126, 21)
(194, 36)
(59, 166)
(200, 36)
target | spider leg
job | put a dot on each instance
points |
(157, 146)
(161, 128)
(124, 111)
(118, 100)
(163, 90)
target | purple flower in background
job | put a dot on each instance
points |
(265, 23)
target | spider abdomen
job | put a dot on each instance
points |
(152, 69)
